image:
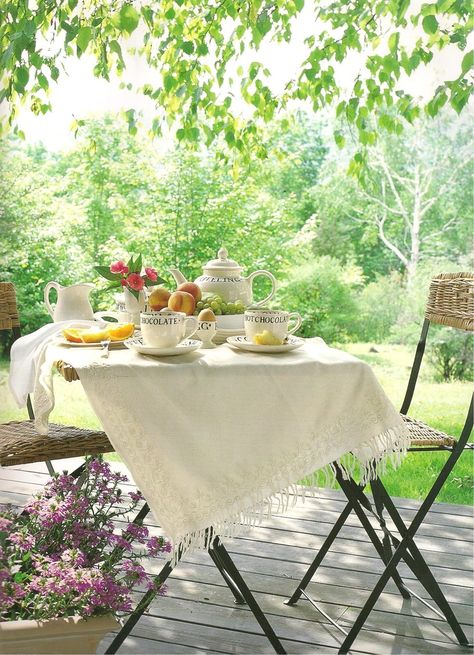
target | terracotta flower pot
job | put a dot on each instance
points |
(71, 634)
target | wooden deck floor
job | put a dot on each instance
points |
(198, 614)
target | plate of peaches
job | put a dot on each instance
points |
(115, 334)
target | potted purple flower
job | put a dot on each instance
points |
(66, 569)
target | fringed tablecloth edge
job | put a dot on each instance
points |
(386, 449)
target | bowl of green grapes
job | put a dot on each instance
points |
(229, 315)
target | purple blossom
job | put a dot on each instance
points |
(67, 553)
(4, 524)
(22, 540)
(139, 532)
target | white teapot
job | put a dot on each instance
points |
(222, 276)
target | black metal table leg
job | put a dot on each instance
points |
(322, 552)
(239, 599)
(230, 567)
(356, 497)
(140, 609)
(232, 577)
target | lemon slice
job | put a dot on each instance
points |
(266, 338)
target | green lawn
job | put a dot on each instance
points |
(441, 405)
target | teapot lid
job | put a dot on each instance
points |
(223, 261)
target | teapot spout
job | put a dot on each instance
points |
(178, 276)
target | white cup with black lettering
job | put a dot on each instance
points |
(166, 329)
(276, 322)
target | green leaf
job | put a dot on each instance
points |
(402, 8)
(153, 283)
(105, 271)
(467, 62)
(339, 139)
(444, 5)
(128, 18)
(168, 82)
(115, 47)
(83, 38)
(393, 41)
(43, 81)
(187, 47)
(430, 24)
(21, 78)
(137, 265)
(114, 285)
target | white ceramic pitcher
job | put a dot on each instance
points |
(72, 302)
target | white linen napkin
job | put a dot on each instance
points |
(27, 355)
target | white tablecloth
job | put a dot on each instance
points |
(213, 437)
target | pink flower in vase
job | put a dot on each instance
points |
(151, 274)
(123, 282)
(119, 267)
(135, 282)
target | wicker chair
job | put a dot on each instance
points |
(19, 441)
(450, 302)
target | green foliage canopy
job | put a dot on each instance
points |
(193, 51)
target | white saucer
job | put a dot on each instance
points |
(244, 344)
(186, 346)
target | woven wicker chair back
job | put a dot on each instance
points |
(451, 300)
(9, 318)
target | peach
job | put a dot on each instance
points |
(181, 301)
(158, 299)
(192, 288)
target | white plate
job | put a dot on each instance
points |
(113, 344)
(244, 344)
(230, 322)
(186, 346)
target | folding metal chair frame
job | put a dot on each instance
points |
(231, 575)
(392, 549)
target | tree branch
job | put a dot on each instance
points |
(447, 226)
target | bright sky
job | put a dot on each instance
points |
(79, 94)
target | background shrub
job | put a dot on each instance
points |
(452, 355)
(324, 292)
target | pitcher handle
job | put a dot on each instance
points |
(193, 320)
(299, 320)
(267, 274)
(47, 289)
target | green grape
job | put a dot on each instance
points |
(206, 305)
(214, 305)
(231, 308)
(218, 311)
(199, 304)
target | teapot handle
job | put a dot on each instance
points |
(47, 289)
(267, 274)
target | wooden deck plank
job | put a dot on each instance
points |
(198, 614)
